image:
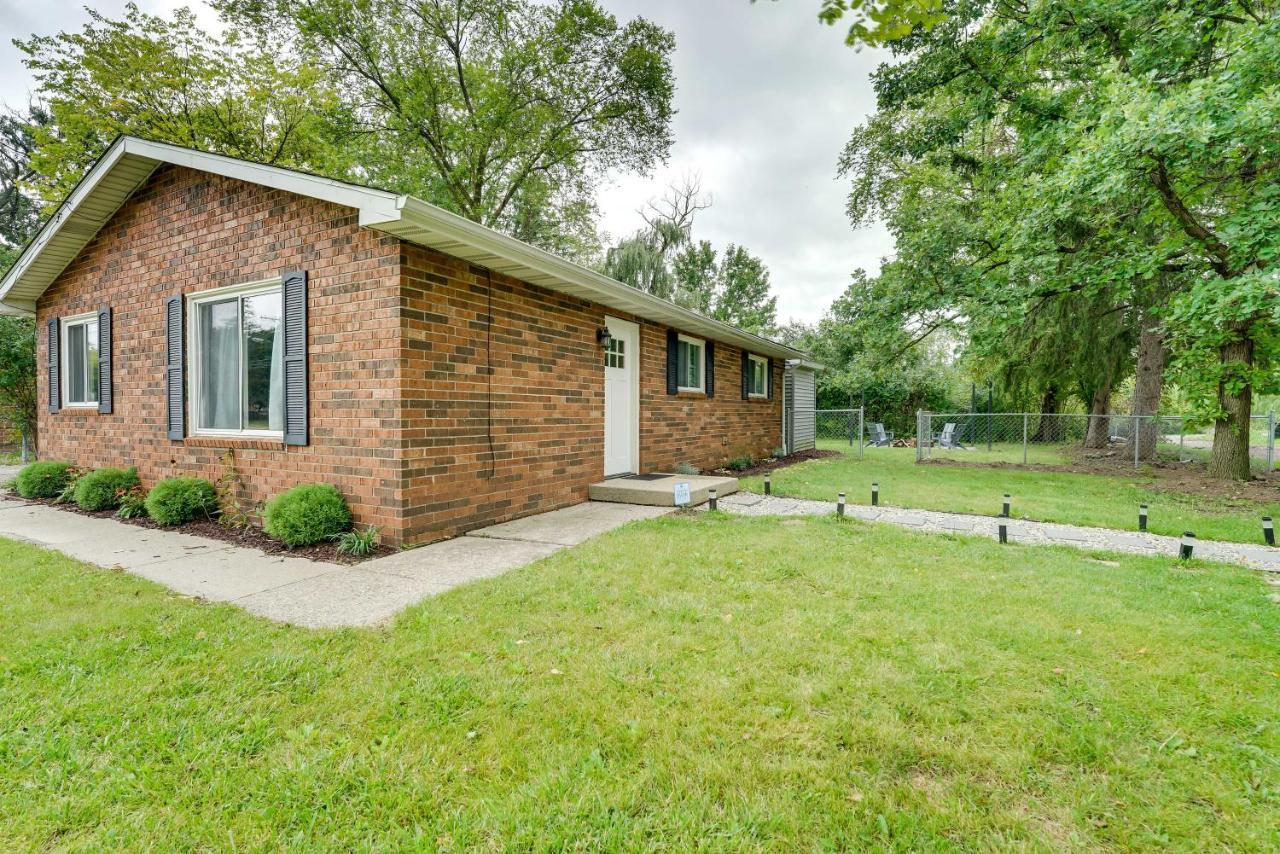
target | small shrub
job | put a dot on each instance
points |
(686, 468)
(779, 452)
(102, 489)
(740, 463)
(133, 504)
(178, 500)
(307, 514)
(358, 543)
(68, 493)
(44, 479)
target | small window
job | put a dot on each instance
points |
(615, 355)
(237, 355)
(759, 379)
(80, 360)
(689, 363)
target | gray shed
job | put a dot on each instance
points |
(800, 390)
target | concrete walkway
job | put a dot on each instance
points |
(1019, 530)
(304, 592)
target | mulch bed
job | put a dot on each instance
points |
(1171, 476)
(249, 538)
(772, 463)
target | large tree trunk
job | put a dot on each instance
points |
(1147, 385)
(1050, 427)
(1230, 458)
(1099, 422)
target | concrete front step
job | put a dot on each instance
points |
(659, 490)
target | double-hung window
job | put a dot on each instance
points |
(689, 363)
(236, 356)
(80, 360)
(758, 378)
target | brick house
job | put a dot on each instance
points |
(442, 375)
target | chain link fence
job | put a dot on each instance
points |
(1031, 438)
(1042, 438)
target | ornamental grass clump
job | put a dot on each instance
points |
(307, 514)
(103, 489)
(43, 480)
(178, 500)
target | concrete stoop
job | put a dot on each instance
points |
(658, 490)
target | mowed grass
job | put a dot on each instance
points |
(708, 682)
(1103, 501)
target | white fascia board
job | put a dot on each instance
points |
(607, 291)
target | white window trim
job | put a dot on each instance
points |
(248, 289)
(64, 362)
(701, 387)
(761, 360)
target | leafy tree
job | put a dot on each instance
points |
(169, 80)
(663, 260)
(645, 259)
(742, 294)
(508, 112)
(696, 273)
(18, 402)
(1120, 158)
(18, 222)
(876, 23)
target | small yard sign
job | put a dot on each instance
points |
(682, 494)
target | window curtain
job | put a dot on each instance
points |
(220, 365)
(276, 407)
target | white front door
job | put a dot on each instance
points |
(621, 398)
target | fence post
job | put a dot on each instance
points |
(919, 435)
(862, 414)
(1026, 417)
(1136, 439)
(850, 428)
(1182, 438)
(1271, 442)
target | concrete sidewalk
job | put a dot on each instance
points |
(1019, 530)
(304, 592)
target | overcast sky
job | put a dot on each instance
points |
(766, 97)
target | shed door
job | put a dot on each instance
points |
(621, 398)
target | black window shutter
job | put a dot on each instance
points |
(295, 357)
(769, 378)
(55, 386)
(673, 362)
(175, 381)
(710, 378)
(746, 375)
(104, 360)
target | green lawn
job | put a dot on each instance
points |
(709, 682)
(1048, 496)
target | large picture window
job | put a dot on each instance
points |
(237, 360)
(80, 360)
(689, 363)
(759, 377)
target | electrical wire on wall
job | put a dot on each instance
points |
(488, 370)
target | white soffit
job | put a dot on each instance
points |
(130, 161)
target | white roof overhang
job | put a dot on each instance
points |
(130, 161)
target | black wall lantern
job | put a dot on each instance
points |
(603, 337)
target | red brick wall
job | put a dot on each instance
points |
(403, 403)
(547, 391)
(694, 428)
(187, 231)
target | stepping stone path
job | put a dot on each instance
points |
(1020, 530)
